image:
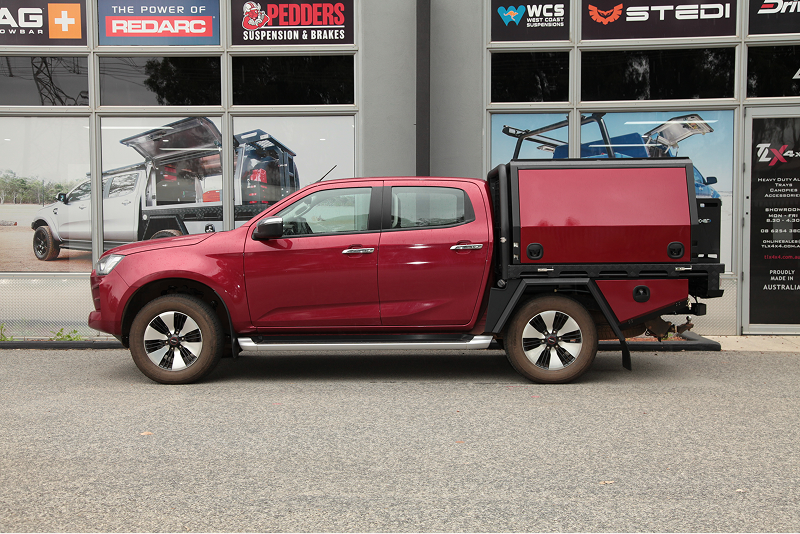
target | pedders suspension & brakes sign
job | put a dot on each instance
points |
(314, 23)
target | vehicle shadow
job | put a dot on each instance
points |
(491, 366)
(472, 366)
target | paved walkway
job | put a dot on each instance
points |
(758, 343)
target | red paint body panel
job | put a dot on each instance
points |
(580, 216)
(422, 281)
(306, 282)
(289, 282)
(211, 259)
(663, 293)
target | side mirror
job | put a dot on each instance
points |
(269, 228)
(62, 197)
(710, 180)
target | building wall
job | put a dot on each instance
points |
(387, 53)
(457, 101)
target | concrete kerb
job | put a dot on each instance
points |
(690, 342)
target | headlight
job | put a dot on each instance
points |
(106, 264)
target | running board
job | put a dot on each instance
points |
(413, 342)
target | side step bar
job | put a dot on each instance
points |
(277, 344)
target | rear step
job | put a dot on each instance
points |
(389, 342)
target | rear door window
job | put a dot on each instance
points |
(421, 207)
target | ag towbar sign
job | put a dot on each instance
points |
(36, 22)
(176, 22)
(313, 23)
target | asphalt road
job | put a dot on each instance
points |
(688, 441)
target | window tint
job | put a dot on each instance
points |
(44, 81)
(326, 212)
(122, 185)
(419, 207)
(530, 77)
(658, 74)
(160, 81)
(772, 71)
(293, 80)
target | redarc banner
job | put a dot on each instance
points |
(142, 22)
(38, 22)
(312, 23)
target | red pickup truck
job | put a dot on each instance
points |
(543, 257)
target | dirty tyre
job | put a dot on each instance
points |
(176, 339)
(551, 340)
(44, 244)
(166, 233)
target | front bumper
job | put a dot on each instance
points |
(108, 296)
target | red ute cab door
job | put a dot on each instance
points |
(434, 253)
(323, 271)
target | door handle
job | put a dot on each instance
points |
(81, 207)
(470, 246)
(354, 250)
(126, 202)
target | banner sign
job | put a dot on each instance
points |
(775, 222)
(530, 22)
(37, 22)
(175, 22)
(774, 16)
(318, 23)
(639, 19)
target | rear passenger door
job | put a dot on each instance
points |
(434, 253)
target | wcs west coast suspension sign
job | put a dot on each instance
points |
(37, 22)
(174, 22)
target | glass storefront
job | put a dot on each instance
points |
(184, 124)
(191, 116)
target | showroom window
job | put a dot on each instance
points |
(160, 81)
(530, 77)
(657, 74)
(293, 80)
(41, 157)
(772, 71)
(44, 81)
(534, 135)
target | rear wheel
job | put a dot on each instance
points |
(551, 339)
(176, 339)
(44, 244)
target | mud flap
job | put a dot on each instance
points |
(612, 322)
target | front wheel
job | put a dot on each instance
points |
(45, 246)
(551, 340)
(176, 339)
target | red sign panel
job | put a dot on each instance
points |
(290, 24)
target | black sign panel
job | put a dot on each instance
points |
(530, 22)
(317, 23)
(641, 19)
(38, 22)
(774, 16)
(775, 222)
